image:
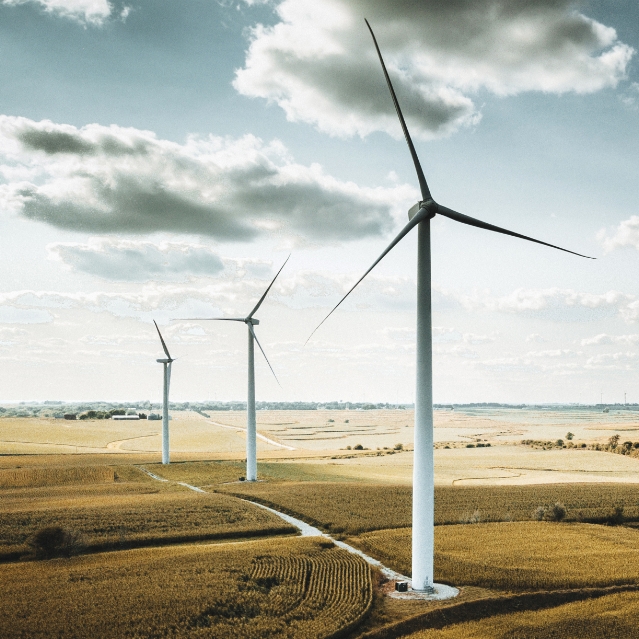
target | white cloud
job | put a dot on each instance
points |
(138, 261)
(552, 300)
(93, 12)
(318, 62)
(604, 338)
(626, 234)
(112, 179)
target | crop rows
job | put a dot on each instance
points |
(300, 588)
(519, 555)
(354, 508)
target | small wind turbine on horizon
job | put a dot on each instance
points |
(165, 401)
(423, 468)
(251, 428)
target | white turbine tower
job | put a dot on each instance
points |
(251, 428)
(165, 401)
(423, 470)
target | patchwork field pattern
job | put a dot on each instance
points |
(519, 555)
(297, 589)
(612, 617)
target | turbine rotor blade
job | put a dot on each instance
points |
(166, 350)
(421, 215)
(250, 315)
(263, 353)
(418, 167)
(471, 221)
(208, 319)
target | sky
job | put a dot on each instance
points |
(161, 159)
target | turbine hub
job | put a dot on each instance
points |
(429, 205)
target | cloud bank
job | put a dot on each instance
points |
(318, 62)
(124, 180)
(86, 12)
(127, 260)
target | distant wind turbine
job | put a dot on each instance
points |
(165, 405)
(251, 428)
(423, 471)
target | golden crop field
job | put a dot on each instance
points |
(33, 477)
(611, 617)
(518, 555)
(124, 519)
(296, 588)
(352, 508)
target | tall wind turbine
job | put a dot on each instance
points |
(165, 402)
(251, 428)
(423, 471)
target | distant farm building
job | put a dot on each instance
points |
(128, 417)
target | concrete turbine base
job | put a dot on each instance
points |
(439, 592)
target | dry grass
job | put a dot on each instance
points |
(33, 477)
(114, 519)
(353, 508)
(519, 555)
(298, 588)
(612, 617)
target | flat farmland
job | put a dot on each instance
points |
(319, 441)
(519, 555)
(129, 515)
(352, 508)
(295, 588)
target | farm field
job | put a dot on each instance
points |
(129, 519)
(519, 555)
(295, 588)
(612, 617)
(352, 508)
(102, 494)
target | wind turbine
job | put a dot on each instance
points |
(165, 406)
(423, 470)
(251, 428)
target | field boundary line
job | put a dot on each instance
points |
(489, 607)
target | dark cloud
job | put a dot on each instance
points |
(318, 62)
(111, 180)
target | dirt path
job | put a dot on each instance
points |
(306, 530)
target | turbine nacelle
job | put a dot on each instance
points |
(430, 206)
(164, 361)
(252, 321)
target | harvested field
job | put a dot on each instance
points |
(298, 589)
(612, 617)
(519, 555)
(353, 508)
(124, 520)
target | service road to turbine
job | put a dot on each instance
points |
(441, 591)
